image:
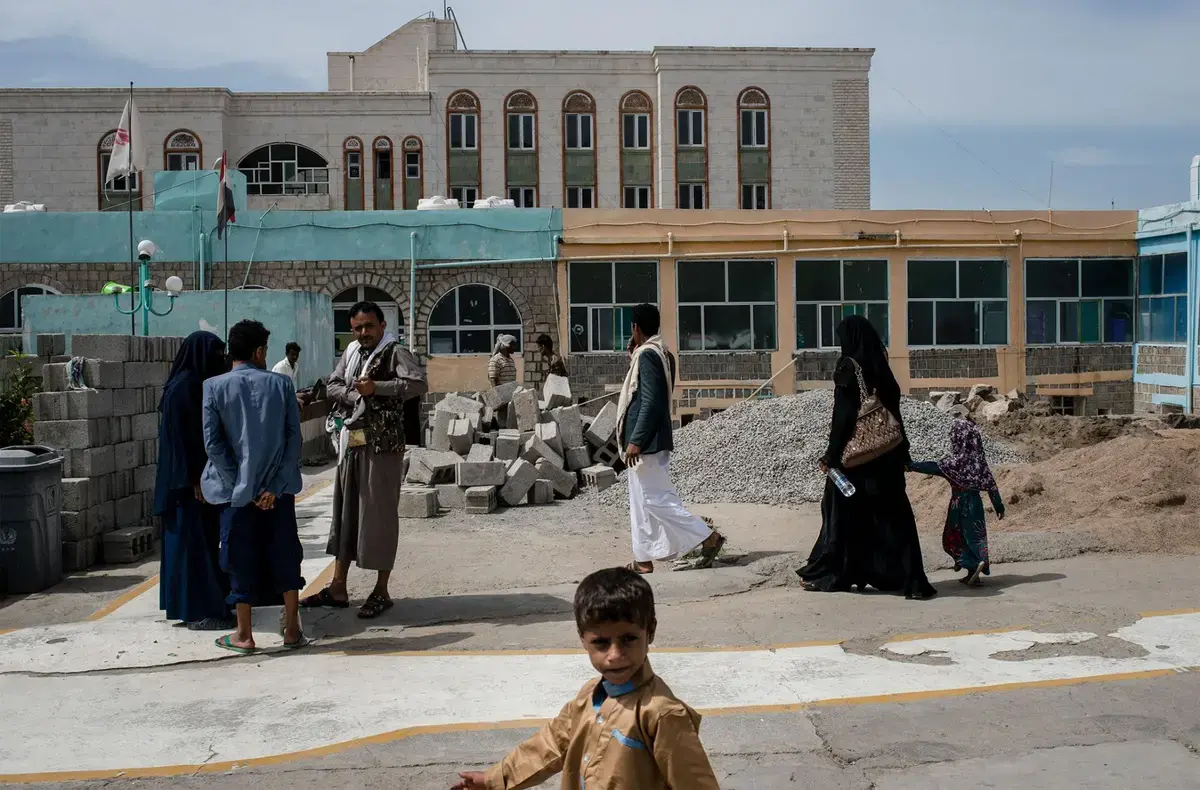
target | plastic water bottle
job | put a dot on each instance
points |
(842, 482)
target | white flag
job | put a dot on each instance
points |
(129, 148)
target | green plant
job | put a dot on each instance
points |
(17, 389)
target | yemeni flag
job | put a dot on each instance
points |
(129, 147)
(225, 208)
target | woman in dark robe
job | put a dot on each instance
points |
(192, 586)
(870, 537)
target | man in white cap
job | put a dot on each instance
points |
(502, 369)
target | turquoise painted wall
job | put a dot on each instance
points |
(182, 190)
(103, 237)
(306, 318)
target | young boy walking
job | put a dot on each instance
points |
(624, 729)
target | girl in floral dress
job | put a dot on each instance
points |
(966, 469)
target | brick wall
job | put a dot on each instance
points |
(1143, 398)
(1042, 361)
(851, 144)
(958, 363)
(815, 366)
(7, 193)
(591, 372)
(739, 366)
(688, 397)
(1171, 360)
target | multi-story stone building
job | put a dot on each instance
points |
(415, 116)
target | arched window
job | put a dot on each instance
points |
(10, 305)
(342, 336)
(385, 193)
(115, 195)
(414, 172)
(521, 156)
(182, 151)
(463, 163)
(469, 318)
(754, 148)
(637, 157)
(352, 179)
(691, 154)
(285, 169)
(579, 150)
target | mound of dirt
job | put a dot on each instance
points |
(1042, 435)
(1134, 493)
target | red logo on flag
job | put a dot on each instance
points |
(122, 137)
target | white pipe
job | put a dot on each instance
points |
(741, 253)
(786, 238)
(203, 244)
(670, 242)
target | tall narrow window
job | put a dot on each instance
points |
(464, 161)
(521, 168)
(637, 157)
(384, 174)
(182, 151)
(579, 150)
(691, 154)
(353, 181)
(414, 181)
(754, 148)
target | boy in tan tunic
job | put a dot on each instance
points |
(624, 729)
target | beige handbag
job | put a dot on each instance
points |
(876, 431)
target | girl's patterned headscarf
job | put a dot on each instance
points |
(966, 467)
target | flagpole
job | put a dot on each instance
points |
(226, 268)
(133, 275)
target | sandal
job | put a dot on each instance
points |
(710, 552)
(212, 624)
(374, 606)
(303, 641)
(638, 567)
(226, 643)
(323, 600)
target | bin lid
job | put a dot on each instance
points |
(27, 458)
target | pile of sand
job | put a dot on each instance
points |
(1134, 493)
(1041, 435)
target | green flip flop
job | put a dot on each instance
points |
(226, 643)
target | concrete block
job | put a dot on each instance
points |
(487, 419)
(451, 496)
(441, 430)
(129, 455)
(570, 425)
(599, 477)
(54, 377)
(51, 345)
(74, 525)
(432, 467)
(548, 433)
(121, 484)
(104, 375)
(462, 436)
(500, 396)
(508, 445)
(120, 429)
(481, 453)
(146, 374)
(128, 402)
(564, 482)
(149, 452)
(89, 404)
(526, 405)
(92, 462)
(144, 426)
(49, 406)
(418, 503)
(103, 517)
(110, 348)
(510, 416)
(520, 477)
(80, 555)
(603, 426)
(541, 493)
(578, 458)
(556, 391)
(457, 404)
(70, 434)
(481, 499)
(607, 455)
(144, 478)
(128, 544)
(102, 489)
(537, 450)
(487, 473)
(76, 493)
(128, 510)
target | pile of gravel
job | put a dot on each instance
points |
(766, 451)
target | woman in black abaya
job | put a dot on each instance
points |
(870, 537)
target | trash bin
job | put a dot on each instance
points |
(30, 519)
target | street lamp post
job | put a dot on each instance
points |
(145, 302)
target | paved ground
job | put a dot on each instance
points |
(1080, 673)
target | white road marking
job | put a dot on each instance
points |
(243, 709)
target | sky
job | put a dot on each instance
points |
(973, 104)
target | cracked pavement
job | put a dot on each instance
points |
(848, 691)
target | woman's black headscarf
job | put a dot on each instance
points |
(860, 342)
(181, 454)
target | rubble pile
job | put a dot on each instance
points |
(506, 446)
(766, 451)
(983, 403)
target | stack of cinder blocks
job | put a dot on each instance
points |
(507, 446)
(108, 433)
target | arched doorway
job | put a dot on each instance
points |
(342, 336)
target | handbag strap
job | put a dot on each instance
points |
(863, 393)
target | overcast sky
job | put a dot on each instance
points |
(1102, 88)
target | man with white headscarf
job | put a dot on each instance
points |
(369, 386)
(502, 369)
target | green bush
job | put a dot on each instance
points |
(17, 389)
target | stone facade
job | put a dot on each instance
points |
(815, 366)
(591, 372)
(956, 363)
(819, 121)
(1144, 400)
(724, 365)
(1171, 360)
(6, 161)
